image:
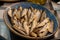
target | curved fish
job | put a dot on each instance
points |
(26, 27)
(24, 12)
(10, 12)
(15, 27)
(46, 20)
(33, 34)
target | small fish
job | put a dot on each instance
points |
(26, 18)
(50, 27)
(43, 16)
(34, 24)
(14, 12)
(26, 27)
(34, 11)
(20, 27)
(44, 28)
(37, 30)
(31, 8)
(31, 17)
(15, 27)
(29, 13)
(43, 33)
(37, 15)
(24, 12)
(46, 20)
(10, 12)
(18, 13)
(14, 21)
(33, 34)
(40, 15)
(20, 8)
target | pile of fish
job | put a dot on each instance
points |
(30, 21)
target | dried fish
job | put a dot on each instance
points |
(10, 12)
(34, 11)
(37, 15)
(40, 15)
(50, 27)
(43, 22)
(18, 14)
(24, 12)
(37, 30)
(15, 27)
(14, 22)
(43, 16)
(29, 13)
(34, 24)
(26, 27)
(31, 8)
(44, 28)
(43, 33)
(20, 27)
(26, 18)
(18, 24)
(14, 12)
(33, 34)
(20, 8)
(31, 17)
(31, 22)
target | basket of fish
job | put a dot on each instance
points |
(30, 21)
